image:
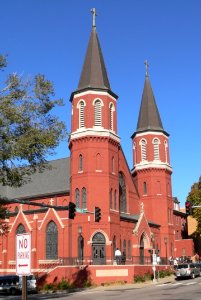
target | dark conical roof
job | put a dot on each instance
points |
(94, 74)
(149, 117)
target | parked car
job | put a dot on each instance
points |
(198, 265)
(12, 284)
(187, 270)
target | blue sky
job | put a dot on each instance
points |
(51, 36)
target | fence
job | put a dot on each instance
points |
(88, 260)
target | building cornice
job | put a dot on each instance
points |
(151, 165)
(99, 92)
(146, 133)
(96, 131)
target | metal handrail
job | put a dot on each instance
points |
(88, 260)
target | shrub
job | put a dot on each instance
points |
(87, 283)
(63, 285)
(49, 286)
(148, 276)
(139, 278)
(164, 273)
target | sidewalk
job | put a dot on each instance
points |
(148, 283)
(116, 286)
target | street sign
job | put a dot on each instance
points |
(154, 259)
(23, 254)
(81, 210)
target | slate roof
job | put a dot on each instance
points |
(53, 181)
(94, 74)
(134, 218)
(149, 117)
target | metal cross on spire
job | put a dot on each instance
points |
(93, 11)
(147, 67)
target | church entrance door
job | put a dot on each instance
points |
(98, 249)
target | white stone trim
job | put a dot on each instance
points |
(151, 165)
(94, 93)
(81, 100)
(96, 131)
(150, 133)
(46, 217)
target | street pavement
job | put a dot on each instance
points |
(139, 285)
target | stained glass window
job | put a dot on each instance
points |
(51, 241)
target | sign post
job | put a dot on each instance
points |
(23, 259)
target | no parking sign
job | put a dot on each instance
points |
(23, 254)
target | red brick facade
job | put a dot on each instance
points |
(137, 208)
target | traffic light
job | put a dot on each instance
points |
(97, 214)
(188, 205)
(71, 210)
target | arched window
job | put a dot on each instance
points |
(20, 229)
(134, 153)
(84, 198)
(158, 187)
(81, 114)
(113, 165)
(80, 162)
(156, 149)
(115, 199)
(51, 241)
(124, 248)
(111, 116)
(98, 161)
(77, 198)
(97, 113)
(166, 151)
(80, 247)
(122, 193)
(114, 246)
(110, 198)
(144, 188)
(16, 209)
(129, 249)
(143, 150)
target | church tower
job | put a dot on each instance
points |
(94, 142)
(151, 167)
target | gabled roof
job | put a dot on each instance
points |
(94, 74)
(52, 181)
(149, 117)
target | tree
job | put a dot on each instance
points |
(28, 129)
(195, 197)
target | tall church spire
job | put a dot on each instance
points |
(94, 74)
(149, 117)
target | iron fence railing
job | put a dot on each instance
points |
(88, 260)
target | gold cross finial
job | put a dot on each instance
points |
(147, 67)
(93, 11)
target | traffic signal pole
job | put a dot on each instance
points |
(189, 207)
(9, 201)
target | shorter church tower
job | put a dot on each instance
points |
(151, 166)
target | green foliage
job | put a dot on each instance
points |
(3, 224)
(165, 273)
(29, 131)
(3, 62)
(195, 197)
(49, 286)
(149, 276)
(87, 284)
(64, 285)
(139, 278)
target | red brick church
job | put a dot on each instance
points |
(138, 211)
